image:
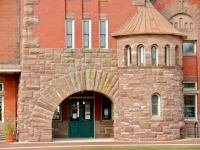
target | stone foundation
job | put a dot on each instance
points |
(190, 129)
(60, 129)
(102, 129)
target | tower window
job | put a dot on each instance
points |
(129, 61)
(141, 56)
(154, 60)
(166, 53)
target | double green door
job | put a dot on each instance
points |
(80, 118)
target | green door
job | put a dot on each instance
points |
(80, 118)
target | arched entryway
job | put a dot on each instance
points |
(58, 89)
(84, 114)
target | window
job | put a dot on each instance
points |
(155, 105)
(129, 61)
(141, 56)
(57, 113)
(103, 34)
(189, 48)
(1, 109)
(190, 103)
(154, 56)
(190, 86)
(70, 33)
(106, 108)
(152, 1)
(86, 34)
(1, 103)
(166, 52)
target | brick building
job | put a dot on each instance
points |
(125, 69)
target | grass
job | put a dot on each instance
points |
(132, 148)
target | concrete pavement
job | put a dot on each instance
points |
(58, 144)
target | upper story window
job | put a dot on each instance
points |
(190, 86)
(86, 34)
(166, 53)
(129, 60)
(70, 33)
(155, 106)
(103, 34)
(190, 106)
(141, 56)
(189, 48)
(154, 57)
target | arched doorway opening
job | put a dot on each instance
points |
(84, 114)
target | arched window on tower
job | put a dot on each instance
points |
(154, 58)
(129, 60)
(141, 56)
(166, 55)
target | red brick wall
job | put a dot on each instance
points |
(98, 97)
(190, 66)
(10, 88)
(51, 29)
(8, 30)
(65, 110)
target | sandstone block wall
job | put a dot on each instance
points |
(133, 120)
(50, 75)
(104, 129)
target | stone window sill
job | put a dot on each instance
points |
(106, 120)
(189, 55)
(191, 120)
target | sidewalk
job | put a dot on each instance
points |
(97, 143)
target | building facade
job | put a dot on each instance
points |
(100, 68)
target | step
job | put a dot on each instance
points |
(2, 136)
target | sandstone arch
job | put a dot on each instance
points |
(58, 89)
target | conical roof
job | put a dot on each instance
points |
(147, 21)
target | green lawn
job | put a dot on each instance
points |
(132, 149)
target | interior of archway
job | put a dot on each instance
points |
(84, 114)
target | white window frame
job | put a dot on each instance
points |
(139, 56)
(190, 88)
(129, 59)
(196, 114)
(73, 31)
(2, 109)
(106, 22)
(194, 48)
(166, 58)
(158, 107)
(2, 87)
(156, 55)
(90, 35)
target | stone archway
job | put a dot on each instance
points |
(40, 121)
